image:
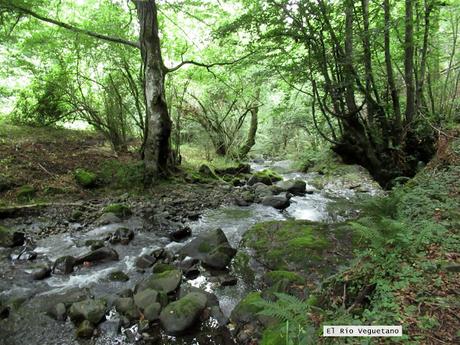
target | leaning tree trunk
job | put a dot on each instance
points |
(158, 123)
(251, 139)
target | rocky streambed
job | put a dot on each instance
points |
(177, 270)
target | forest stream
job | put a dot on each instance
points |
(28, 324)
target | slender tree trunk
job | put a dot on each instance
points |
(409, 61)
(158, 123)
(419, 98)
(389, 69)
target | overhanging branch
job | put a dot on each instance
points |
(70, 27)
(207, 66)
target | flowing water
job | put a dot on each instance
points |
(28, 327)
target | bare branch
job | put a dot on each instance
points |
(70, 27)
(207, 66)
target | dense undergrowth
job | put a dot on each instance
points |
(403, 272)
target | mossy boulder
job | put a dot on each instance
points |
(179, 316)
(26, 193)
(212, 248)
(291, 244)
(166, 282)
(143, 298)
(10, 238)
(92, 310)
(127, 307)
(266, 176)
(85, 178)
(296, 186)
(120, 210)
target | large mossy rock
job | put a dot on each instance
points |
(11, 238)
(85, 178)
(212, 248)
(266, 176)
(179, 316)
(167, 281)
(100, 254)
(298, 245)
(92, 310)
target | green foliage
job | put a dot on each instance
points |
(293, 313)
(45, 102)
(26, 193)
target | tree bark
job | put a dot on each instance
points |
(158, 123)
(409, 61)
(389, 69)
(251, 139)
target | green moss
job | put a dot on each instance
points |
(26, 193)
(160, 268)
(120, 210)
(248, 305)
(273, 336)
(267, 176)
(291, 244)
(204, 247)
(85, 178)
(273, 277)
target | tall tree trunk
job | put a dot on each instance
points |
(409, 61)
(158, 123)
(419, 97)
(389, 70)
(348, 68)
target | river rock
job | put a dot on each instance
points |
(166, 282)
(145, 297)
(180, 234)
(119, 276)
(212, 248)
(61, 311)
(108, 218)
(127, 307)
(279, 202)
(41, 273)
(152, 311)
(94, 244)
(181, 315)
(267, 177)
(220, 257)
(261, 190)
(101, 254)
(11, 238)
(85, 330)
(64, 265)
(122, 235)
(92, 310)
(145, 261)
(296, 187)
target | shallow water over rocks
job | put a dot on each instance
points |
(27, 323)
